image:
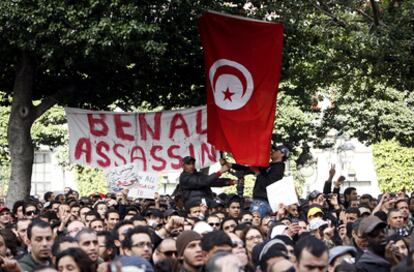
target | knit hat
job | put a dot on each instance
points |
(184, 239)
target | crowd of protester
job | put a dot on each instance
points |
(196, 230)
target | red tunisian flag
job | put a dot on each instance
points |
(242, 60)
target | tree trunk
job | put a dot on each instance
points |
(22, 116)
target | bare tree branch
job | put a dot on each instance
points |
(365, 15)
(375, 12)
(52, 100)
(327, 12)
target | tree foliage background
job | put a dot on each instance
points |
(394, 164)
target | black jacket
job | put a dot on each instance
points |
(371, 262)
(198, 185)
(267, 176)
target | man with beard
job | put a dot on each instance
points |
(40, 240)
(379, 255)
(189, 250)
(139, 242)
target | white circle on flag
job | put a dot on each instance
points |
(228, 88)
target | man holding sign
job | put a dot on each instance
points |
(265, 177)
(195, 185)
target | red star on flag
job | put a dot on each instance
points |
(228, 94)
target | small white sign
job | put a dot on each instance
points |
(140, 184)
(282, 191)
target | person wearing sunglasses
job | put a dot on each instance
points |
(31, 211)
(166, 249)
(214, 222)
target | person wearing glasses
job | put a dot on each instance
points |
(251, 237)
(139, 242)
(30, 210)
(214, 222)
(194, 185)
(167, 249)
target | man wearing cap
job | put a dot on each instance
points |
(379, 255)
(265, 177)
(315, 212)
(189, 250)
(340, 254)
(196, 185)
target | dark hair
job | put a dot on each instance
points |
(215, 238)
(349, 190)
(234, 199)
(16, 205)
(49, 215)
(399, 201)
(246, 212)
(74, 204)
(276, 250)
(242, 226)
(167, 265)
(61, 239)
(366, 196)
(191, 204)
(92, 212)
(58, 196)
(85, 206)
(390, 211)
(96, 219)
(285, 239)
(37, 223)
(211, 265)
(131, 209)
(10, 240)
(83, 231)
(396, 238)
(109, 243)
(109, 211)
(121, 223)
(138, 217)
(127, 242)
(246, 230)
(312, 244)
(353, 210)
(80, 257)
(228, 218)
(47, 195)
(28, 204)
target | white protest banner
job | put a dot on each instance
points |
(140, 184)
(155, 141)
(282, 191)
